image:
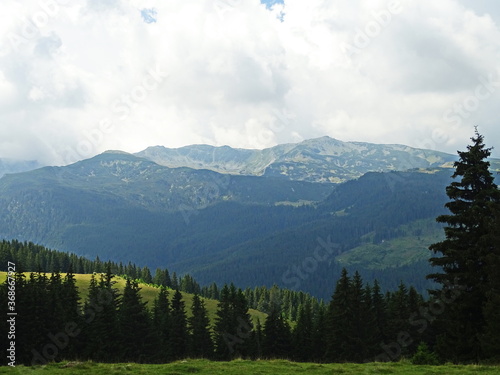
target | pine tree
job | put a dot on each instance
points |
(360, 343)
(463, 256)
(242, 321)
(398, 311)
(380, 314)
(200, 341)
(175, 281)
(162, 325)
(160, 277)
(36, 314)
(256, 339)
(224, 338)
(277, 339)
(135, 331)
(319, 335)
(233, 325)
(302, 334)
(146, 275)
(71, 298)
(338, 320)
(178, 327)
(101, 319)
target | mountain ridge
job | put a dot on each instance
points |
(323, 159)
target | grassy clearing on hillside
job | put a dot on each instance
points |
(412, 247)
(148, 294)
(239, 367)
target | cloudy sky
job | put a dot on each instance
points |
(80, 77)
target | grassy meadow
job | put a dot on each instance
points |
(239, 367)
(148, 294)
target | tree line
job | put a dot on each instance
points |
(31, 257)
(54, 324)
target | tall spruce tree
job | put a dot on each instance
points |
(223, 331)
(162, 325)
(71, 298)
(302, 334)
(101, 319)
(233, 326)
(319, 333)
(277, 340)
(135, 328)
(380, 314)
(338, 320)
(178, 332)
(200, 341)
(465, 253)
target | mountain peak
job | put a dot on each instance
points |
(116, 152)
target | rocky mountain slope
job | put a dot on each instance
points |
(316, 160)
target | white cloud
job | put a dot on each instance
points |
(76, 79)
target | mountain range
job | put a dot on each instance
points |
(291, 215)
(316, 160)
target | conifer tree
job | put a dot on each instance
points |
(55, 303)
(175, 281)
(466, 251)
(71, 298)
(135, 331)
(380, 314)
(36, 310)
(319, 334)
(338, 320)
(277, 339)
(302, 334)
(360, 343)
(200, 341)
(224, 327)
(146, 275)
(398, 310)
(101, 318)
(162, 325)
(256, 337)
(178, 327)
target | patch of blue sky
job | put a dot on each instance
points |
(149, 15)
(270, 3)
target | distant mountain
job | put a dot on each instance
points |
(119, 201)
(238, 225)
(16, 166)
(316, 160)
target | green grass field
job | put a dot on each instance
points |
(240, 367)
(148, 294)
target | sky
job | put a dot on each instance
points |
(81, 77)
